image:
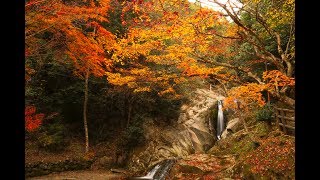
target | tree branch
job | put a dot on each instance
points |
(249, 73)
(27, 37)
(212, 33)
(236, 19)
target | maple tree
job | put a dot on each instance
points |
(276, 79)
(268, 19)
(165, 34)
(33, 120)
(69, 29)
(192, 36)
(249, 96)
(268, 28)
(172, 33)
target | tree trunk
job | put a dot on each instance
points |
(129, 114)
(85, 110)
(130, 101)
(289, 69)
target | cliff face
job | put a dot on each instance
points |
(192, 133)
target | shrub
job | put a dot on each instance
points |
(265, 113)
(32, 120)
(52, 138)
(133, 136)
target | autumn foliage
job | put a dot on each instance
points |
(69, 29)
(274, 155)
(33, 120)
(275, 79)
(249, 96)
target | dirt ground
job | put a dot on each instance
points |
(81, 175)
(74, 150)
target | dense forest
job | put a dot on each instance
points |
(106, 80)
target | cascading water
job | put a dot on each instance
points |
(159, 171)
(166, 167)
(153, 171)
(220, 121)
(150, 173)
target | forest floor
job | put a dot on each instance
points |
(33, 154)
(81, 175)
(75, 150)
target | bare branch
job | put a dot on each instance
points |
(290, 36)
(236, 19)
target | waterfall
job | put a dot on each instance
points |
(150, 173)
(159, 171)
(153, 171)
(166, 167)
(220, 121)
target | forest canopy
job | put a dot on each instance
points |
(89, 61)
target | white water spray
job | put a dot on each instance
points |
(150, 174)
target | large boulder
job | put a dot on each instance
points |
(232, 127)
(203, 139)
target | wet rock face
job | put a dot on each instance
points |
(193, 133)
(196, 120)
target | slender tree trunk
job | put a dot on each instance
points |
(85, 110)
(130, 102)
(129, 113)
(290, 68)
